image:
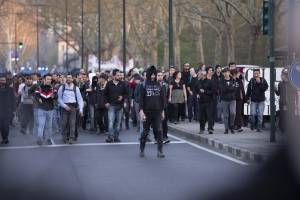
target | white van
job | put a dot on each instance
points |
(247, 71)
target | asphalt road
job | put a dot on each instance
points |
(92, 169)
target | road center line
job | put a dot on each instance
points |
(82, 144)
(210, 151)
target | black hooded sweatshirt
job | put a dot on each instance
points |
(152, 97)
(7, 102)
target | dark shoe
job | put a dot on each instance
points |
(201, 132)
(232, 131)
(210, 132)
(39, 142)
(142, 154)
(182, 120)
(258, 130)
(70, 141)
(23, 132)
(252, 128)
(160, 155)
(166, 141)
(65, 140)
(49, 142)
(176, 122)
(226, 132)
(109, 140)
(5, 141)
(240, 130)
(117, 140)
(190, 120)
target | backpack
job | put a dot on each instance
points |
(74, 90)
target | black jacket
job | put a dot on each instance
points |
(7, 102)
(218, 82)
(209, 90)
(48, 95)
(100, 95)
(152, 97)
(256, 91)
(228, 90)
(240, 90)
(113, 92)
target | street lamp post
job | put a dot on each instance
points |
(272, 71)
(171, 44)
(37, 38)
(82, 32)
(124, 37)
(99, 35)
(67, 37)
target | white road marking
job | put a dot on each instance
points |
(81, 144)
(210, 151)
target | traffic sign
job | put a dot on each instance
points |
(294, 74)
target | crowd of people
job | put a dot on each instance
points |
(110, 101)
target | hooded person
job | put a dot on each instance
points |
(152, 104)
(7, 104)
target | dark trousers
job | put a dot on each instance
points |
(153, 119)
(283, 117)
(239, 114)
(68, 123)
(4, 127)
(176, 111)
(85, 117)
(206, 114)
(27, 117)
(192, 107)
(165, 128)
(102, 119)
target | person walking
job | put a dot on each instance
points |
(218, 77)
(7, 107)
(205, 90)
(27, 120)
(192, 98)
(152, 104)
(70, 100)
(240, 100)
(256, 97)
(115, 93)
(102, 115)
(177, 97)
(45, 96)
(92, 101)
(228, 101)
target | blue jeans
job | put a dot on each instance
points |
(115, 114)
(45, 118)
(257, 109)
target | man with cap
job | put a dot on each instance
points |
(152, 104)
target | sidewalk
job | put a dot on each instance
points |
(247, 145)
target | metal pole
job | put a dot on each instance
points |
(291, 25)
(124, 37)
(99, 35)
(171, 43)
(37, 39)
(16, 48)
(67, 39)
(82, 32)
(272, 72)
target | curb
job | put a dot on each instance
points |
(236, 152)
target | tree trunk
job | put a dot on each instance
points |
(200, 42)
(218, 48)
(154, 51)
(230, 44)
(166, 56)
(252, 45)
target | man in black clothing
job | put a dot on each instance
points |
(102, 116)
(7, 105)
(152, 104)
(240, 100)
(192, 98)
(205, 90)
(228, 101)
(217, 77)
(115, 93)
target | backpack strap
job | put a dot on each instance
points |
(75, 92)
